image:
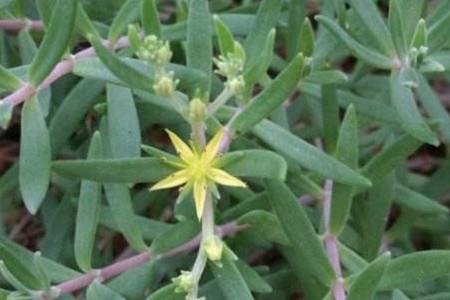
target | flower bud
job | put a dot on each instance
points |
(236, 84)
(197, 110)
(213, 248)
(154, 51)
(184, 282)
(165, 85)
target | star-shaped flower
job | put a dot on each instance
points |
(197, 169)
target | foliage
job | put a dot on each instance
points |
(310, 139)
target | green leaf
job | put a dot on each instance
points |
(415, 268)
(397, 27)
(270, 98)
(266, 225)
(6, 110)
(266, 19)
(418, 202)
(167, 292)
(97, 291)
(330, 117)
(128, 13)
(254, 72)
(150, 18)
(347, 152)
(199, 41)
(398, 295)
(367, 281)
(370, 213)
(88, 211)
(230, 280)
(240, 163)
(124, 133)
(300, 231)
(72, 110)
(38, 263)
(17, 268)
(177, 235)
(367, 55)
(34, 162)
(253, 280)
(4, 3)
(84, 25)
(95, 69)
(306, 38)
(296, 16)
(403, 100)
(133, 77)
(437, 34)
(226, 41)
(119, 200)
(247, 163)
(55, 42)
(8, 81)
(326, 77)
(368, 13)
(306, 155)
(114, 170)
(420, 37)
(391, 157)
(433, 106)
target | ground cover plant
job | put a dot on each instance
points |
(194, 149)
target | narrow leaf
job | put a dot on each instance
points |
(88, 211)
(199, 40)
(300, 231)
(306, 155)
(55, 42)
(128, 13)
(270, 98)
(34, 163)
(123, 124)
(150, 18)
(403, 100)
(369, 56)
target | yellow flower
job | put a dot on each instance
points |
(197, 169)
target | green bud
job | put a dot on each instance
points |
(184, 282)
(213, 247)
(165, 85)
(197, 110)
(236, 84)
(133, 37)
(155, 51)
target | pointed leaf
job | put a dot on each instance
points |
(34, 163)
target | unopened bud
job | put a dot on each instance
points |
(155, 51)
(213, 248)
(165, 85)
(236, 84)
(197, 110)
(184, 282)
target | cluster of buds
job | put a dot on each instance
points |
(157, 53)
(231, 66)
(154, 51)
(185, 282)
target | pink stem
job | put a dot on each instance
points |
(17, 25)
(62, 68)
(117, 268)
(331, 242)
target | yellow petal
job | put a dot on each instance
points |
(200, 195)
(224, 178)
(182, 149)
(175, 179)
(213, 146)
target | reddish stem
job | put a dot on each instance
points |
(62, 68)
(17, 25)
(331, 242)
(117, 268)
